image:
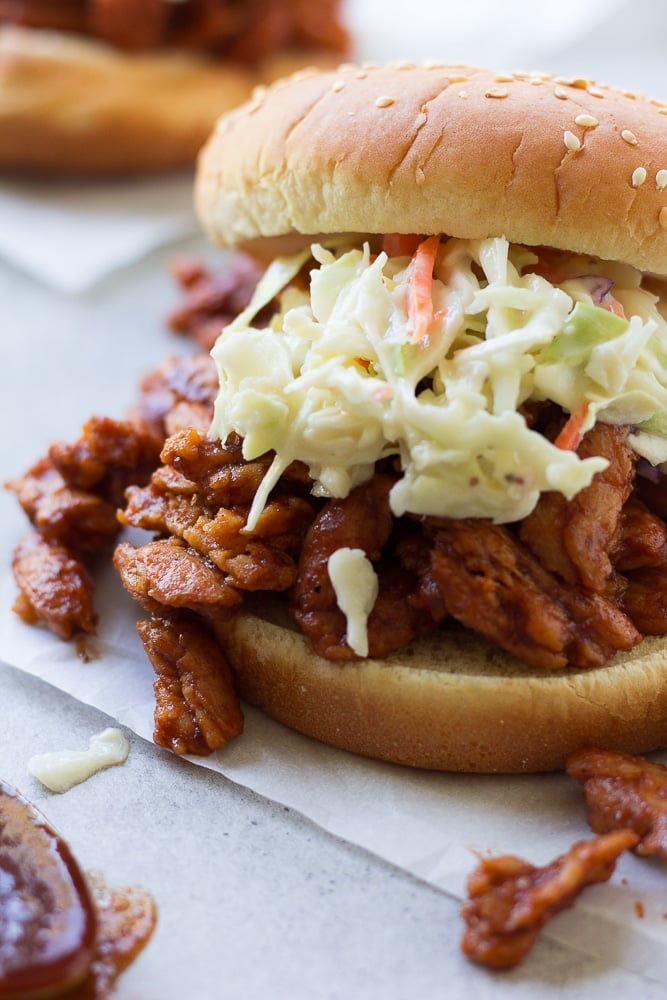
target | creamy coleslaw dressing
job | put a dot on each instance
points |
(355, 584)
(60, 770)
(336, 381)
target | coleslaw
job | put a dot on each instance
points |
(342, 377)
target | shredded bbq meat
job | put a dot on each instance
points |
(170, 574)
(55, 586)
(624, 792)
(196, 708)
(211, 298)
(428, 569)
(653, 493)
(180, 385)
(245, 31)
(73, 518)
(511, 900)
(71, 495)
(494, 585)
(576, 539)
(109, 455)
(643, 539)
(363, 521)
(176, 505)
(219, 475)
(645, 600)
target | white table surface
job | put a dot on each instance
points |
(254, 899)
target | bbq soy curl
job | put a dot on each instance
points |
(379, 359)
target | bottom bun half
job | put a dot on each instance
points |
(449, 701)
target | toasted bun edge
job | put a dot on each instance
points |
(449, 701)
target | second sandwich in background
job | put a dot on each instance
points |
(108, 87)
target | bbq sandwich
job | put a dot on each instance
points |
(432, 490)
(125, 86)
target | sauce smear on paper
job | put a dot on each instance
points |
(61, 934)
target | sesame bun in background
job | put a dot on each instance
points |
(75, 98)
(468, 153)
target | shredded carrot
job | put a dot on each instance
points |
(420, 289)
(570, 436)
(400, 244)
(612, 305)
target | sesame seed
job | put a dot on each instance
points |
(580, 82)
(361, 74)
(536, 81)
(586, 121)
(571, 141)
(383, 101)
(463, 93)
(337, 86)
(661, 179)
(504, 78)
(662, 111)
(560, 93)
(496, 92)
(662, 218)
(638, 176)
(595, 92)
(629, 137)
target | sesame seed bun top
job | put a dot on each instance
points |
(471, 153)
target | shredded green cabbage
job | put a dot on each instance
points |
(336, 383)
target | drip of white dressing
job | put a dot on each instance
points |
(59, 770)
(355, 584)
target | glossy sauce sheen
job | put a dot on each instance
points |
(126, 919)
(47, 919)
(62, 934)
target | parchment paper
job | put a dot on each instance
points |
(65, 359)
(61, 371)
(429, 824)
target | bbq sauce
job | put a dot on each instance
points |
(48, 922)
(61, 934)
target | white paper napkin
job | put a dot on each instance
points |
(71, 235)
(426, 823)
